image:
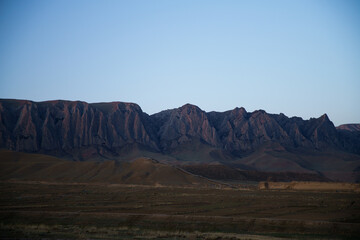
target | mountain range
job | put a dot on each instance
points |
(241, 140)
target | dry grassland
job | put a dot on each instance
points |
(109, 211)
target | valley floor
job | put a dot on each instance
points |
(108, 211)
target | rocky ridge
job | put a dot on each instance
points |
(349, 127)
(61, 127)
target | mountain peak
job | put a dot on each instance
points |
(241, 110)
(190, 108)
(189, 105)
(325, 117)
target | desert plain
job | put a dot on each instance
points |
(43, 210)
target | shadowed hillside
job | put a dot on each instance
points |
(142, 171)
(226, 173)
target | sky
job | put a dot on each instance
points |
(300, 58)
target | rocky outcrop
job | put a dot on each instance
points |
(65, 125)
(349, 127)
(182, 125)
(62, 126)
(241, 131)
(349, 136)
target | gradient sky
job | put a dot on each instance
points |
(301, 58)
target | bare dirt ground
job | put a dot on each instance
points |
(311, 186)
(108, 211)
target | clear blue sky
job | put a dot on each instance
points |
(296, 57)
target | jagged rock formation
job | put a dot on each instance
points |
(182, 125)
(238, 131)
(349, 127)
(62, 126)
(349, 135)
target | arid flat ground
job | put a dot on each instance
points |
(108, 211)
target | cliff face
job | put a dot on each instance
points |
(65, 125)
(350, 137)
(182, 125)
(242, 131)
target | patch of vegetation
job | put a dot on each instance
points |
(103, 211)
